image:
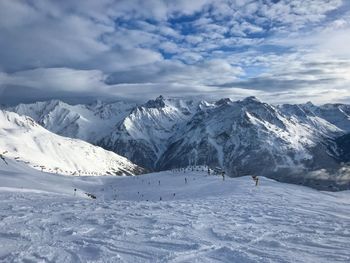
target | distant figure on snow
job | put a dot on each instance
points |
(223, 175)
(185, 180)
(256, 179)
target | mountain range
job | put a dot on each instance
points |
(290, 142)
(24, 141)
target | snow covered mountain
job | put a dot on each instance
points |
(243, 137)
(252, 137)
(23, 140)
(143, 136)
(89, 122)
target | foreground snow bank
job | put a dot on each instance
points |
(207, 220)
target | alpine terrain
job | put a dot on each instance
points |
(23, 140)
(287, 142)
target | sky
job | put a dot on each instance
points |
(281, 51)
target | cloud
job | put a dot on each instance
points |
(274, 49)
(210, 72)
(64, 79)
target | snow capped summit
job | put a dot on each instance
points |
(251, 99)
(144, 134)
(254, 138)
(23, 140)
(224, 101)
(157, 103)
(335, 117)
(89, 122)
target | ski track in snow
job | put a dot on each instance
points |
(209, 220)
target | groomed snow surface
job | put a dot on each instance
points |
(207, 220)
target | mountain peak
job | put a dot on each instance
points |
(223, 101)
(157, 103)
(309, 103)
(251, 99)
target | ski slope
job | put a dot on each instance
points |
(208, 219)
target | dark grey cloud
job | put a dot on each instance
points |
(12, 95)
(276, 84)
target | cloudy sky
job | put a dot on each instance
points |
(278, 50)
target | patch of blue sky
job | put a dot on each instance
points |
(253, 71)
(275, 49)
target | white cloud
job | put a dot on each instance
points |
(282, 49)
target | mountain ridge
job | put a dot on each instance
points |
(25, 141)
(243, 137)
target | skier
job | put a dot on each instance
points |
(208, 171)
(223, 175)
(256, 179)
(75, 191)
(185, 180)
(159, 182)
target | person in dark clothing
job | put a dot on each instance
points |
(256, 179)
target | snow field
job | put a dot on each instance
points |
(208, 219)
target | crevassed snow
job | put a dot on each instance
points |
(208, 219)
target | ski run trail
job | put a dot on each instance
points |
(42, 219)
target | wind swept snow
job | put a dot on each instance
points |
(204, 220)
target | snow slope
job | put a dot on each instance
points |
(89, 122)
(208, 219)
(25, 141)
